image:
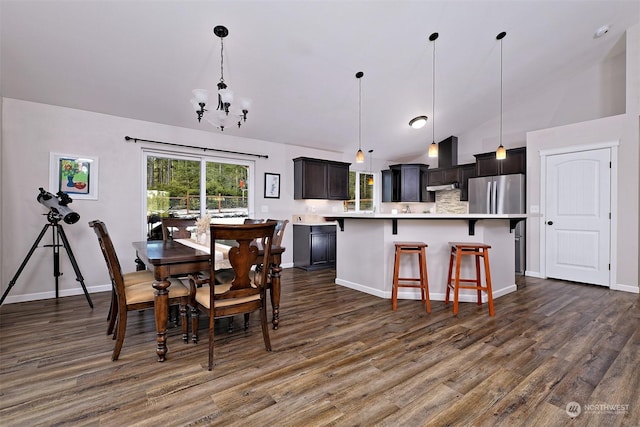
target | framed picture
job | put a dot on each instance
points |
(272, 185)
(75, 175)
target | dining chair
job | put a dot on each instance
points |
(281, 224)
(134, 296)
(241, 293)
(253, 221)
(177, 228)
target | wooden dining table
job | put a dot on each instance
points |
(170, 258)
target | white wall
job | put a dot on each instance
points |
(624, 128)
(31, 131)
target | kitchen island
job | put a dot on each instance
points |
(365, 250)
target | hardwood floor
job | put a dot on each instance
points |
(340, 358)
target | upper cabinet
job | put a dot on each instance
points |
(488, 165)
(406, 183)
(455, 174)
(320, 179)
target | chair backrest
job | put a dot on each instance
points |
(243, 256)
(177, 228)
(253, 220)
(281, 224)
(110, 257)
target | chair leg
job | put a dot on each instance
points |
(119, 334)
(448, 288)
(246, 321)
(456, 282)
(194, 324)
(394, 288)
(478, 278)
(183, 319)
(487, 274)
(211, 336)
(265, 326)
(113, 313)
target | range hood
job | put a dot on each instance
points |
(448, 152)
(451, 186)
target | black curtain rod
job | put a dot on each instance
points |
(128, 138)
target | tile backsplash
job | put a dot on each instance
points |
(448, 201)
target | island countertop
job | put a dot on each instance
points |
(470, 218)
(333, 216)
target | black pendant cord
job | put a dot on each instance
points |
(217, 150)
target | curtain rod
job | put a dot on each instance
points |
(129, 138)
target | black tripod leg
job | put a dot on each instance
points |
(24, 262)
(79, 277)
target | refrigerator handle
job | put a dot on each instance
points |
(494, 197)
(488, 205)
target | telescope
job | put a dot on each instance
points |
(57, 203)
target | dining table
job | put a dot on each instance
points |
(170, 258)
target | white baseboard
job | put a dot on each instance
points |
(535, 274)
(625, 288)
(52, 294)
(465, 295)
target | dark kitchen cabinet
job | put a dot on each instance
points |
(464, 173)
(488, 165)
(314, 246)
(441, 176)
(406, 183)
(320, 179)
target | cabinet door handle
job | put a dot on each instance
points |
(549, 222)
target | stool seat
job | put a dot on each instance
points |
(455, 283)
(417, 248)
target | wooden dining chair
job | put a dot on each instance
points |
(134, 296)
(281, 224)
(241, 293)
(177, 228)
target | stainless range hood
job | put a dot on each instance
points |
(451, 186)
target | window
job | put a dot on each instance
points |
(362, 190)
(191, 186)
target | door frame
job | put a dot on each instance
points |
(613, 238)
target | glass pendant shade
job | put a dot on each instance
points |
(201, 96)
(433, 150)
(360, 156)
(501, 153)
(370, 180)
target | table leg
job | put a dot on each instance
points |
(275, 291)
(161, 309)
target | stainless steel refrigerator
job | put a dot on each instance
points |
(502, 194)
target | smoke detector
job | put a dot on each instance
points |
(601, 31)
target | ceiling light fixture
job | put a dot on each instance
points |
(433, 148)
(225, 95)
(359, 154)
(501, 153)
(601, 31)
(418, 122)
(370, 178)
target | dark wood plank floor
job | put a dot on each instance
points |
(340, 358)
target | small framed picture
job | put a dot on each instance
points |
(73, 174)
(272, 185)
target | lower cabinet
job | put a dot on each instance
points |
(314, 246)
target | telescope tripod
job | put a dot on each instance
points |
(58, 235)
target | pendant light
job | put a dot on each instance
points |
(501, 153)
(370, 178)
(359, 154)
(433, 148)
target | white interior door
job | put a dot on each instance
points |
(578, 206)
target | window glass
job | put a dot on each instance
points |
(361, 192)
(184, 186)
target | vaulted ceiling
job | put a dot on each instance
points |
(296, 61)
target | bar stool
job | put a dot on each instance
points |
(477, 250)
(417, 248)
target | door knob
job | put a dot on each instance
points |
(549, 222)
